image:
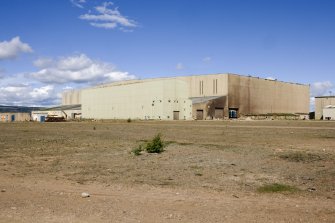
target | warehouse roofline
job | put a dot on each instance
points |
(325, 97)
(63, 107)
(134, 81)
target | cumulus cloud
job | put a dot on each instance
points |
(11, 49)
(26, 95)
(78, 3)
(321, 88)
(54, 75)
(108, 18)
(180, 66)
(77, 69)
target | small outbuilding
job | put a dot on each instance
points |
(14, 117)
(321, 103)
(67, 112)
(329, 112)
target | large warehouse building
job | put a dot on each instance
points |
(214, 96)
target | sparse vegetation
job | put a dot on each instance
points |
(276, 187)
(137, 151)
(300, 157)
(129, 120)
(199, 159)
(156, 145)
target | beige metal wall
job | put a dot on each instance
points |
(156, 99)
(209, 109)
(134, 99)
(207, 85)
(19, 116)
(71, 97)
(261, 96)
(320, 103)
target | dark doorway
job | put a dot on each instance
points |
(13, 118)
(233, 112)
(175, 115)
(218, 113)
(200, 114)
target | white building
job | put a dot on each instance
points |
(329, 112)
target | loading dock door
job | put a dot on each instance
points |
(175, 115)
(218, 113)
(200, 114)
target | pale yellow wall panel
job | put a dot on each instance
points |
(145, 100)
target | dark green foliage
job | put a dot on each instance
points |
(156, 145)
(274, 188)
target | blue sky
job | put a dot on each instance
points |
(47, 46)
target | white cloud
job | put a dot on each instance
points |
(271, 78)
(104, 25)
(78, 3)
(321, 88)
(53, 76)
(26, 95)
(207, 59)
(41, 92)
(11, 49)
(77, 69)
(311, 103)
(108, 18)
(180, 66)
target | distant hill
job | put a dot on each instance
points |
(4, 108)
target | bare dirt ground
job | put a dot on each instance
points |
(210, 171)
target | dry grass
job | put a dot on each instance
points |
(220, 155)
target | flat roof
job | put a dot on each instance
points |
(325, 97)
(63, 107)
(133, 81)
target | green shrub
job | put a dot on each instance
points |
(137, 151)
(274, 188)
(156, 145)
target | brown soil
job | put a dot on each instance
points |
(210, 171)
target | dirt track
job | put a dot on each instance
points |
(210, 172)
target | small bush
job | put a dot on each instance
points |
(275, 188)
(129, 120)
(300, 157)
(156, 145)
(137, 151)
